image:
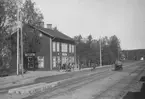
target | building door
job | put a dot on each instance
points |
(30, 61)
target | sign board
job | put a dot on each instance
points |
(29, 54)
(64, 54)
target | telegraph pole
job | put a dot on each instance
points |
(21, 48)
(19, 38)
(100, 53)
(127, 54)
(118, 53)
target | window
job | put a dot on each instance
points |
(63, 60)
(40, 61)
(58, 59)
(54, 61)
(73, 59)
(57, 46)
(64, 47)
(70, 60)
(70, 48)
(54, 46)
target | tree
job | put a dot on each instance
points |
(34, 17)
(89, 39)
(8, 23)
(32, 42)
(115, 46)
(7, 14)
(31, 14)
(78, 39)
(90, 51)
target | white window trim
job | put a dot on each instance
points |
(54, 46)
(58, 46)
(64, 47)
(54, 62)
(72, 48)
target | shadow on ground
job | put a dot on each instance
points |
(137, 95)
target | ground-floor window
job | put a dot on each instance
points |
(64, 60)
(58, 59)
(40, 61)
(71, 59)
(54, 61)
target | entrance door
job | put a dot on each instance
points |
(30, 62)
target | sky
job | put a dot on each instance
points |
(123, 18)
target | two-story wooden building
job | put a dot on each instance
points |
(55, 47)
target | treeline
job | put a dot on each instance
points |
(88, 49)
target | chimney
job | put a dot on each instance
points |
(41, 24)
(49, 26)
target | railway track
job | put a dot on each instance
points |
(69, 85)
(74, 84)
(124, 89)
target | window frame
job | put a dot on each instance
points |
(64, 47)
(54, 46)
(72, 49)
(54, 62)
(58, 47)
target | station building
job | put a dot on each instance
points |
(53, 48)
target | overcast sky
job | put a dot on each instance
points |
(123, 18)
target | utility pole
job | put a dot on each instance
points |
(127, 54)
(118, 53)
(19, 38)
(22, 65)
(78, 62)
(100, 53)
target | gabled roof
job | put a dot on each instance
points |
(57, 34)
(52, 33)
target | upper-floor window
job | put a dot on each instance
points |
(63, 47)
(70, 48)
(54, 46)
(58, 47)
